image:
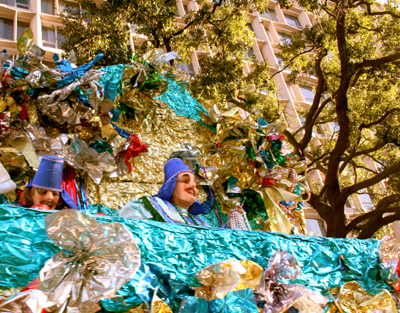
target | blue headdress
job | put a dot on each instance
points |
(49, 177)
(172, 168)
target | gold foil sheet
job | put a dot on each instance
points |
(355, 299)
(165, 133)
(230, 275)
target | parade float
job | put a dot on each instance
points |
(115, 127)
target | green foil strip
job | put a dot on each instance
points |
(174, 253)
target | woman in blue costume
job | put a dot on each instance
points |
(176, 200)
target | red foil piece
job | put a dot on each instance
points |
(69, 183)
(135, 148)
(281, 138)
(23, 115)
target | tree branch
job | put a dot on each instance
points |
(368, 6)
(291, 60)
(292, 140)
(377, 62)
(381, 208)
(353, 154)
(362, 126)
(373, 180)
(311, 117)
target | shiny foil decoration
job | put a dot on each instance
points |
(172, 254)
(273, 296)
(97, 260)
(230, 275)
(80, 156)
(389, 249)
(355, 299)
(236, 148)
(30, 301)
(164, 132)
(43, 144)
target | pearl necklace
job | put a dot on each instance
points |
(183, 217)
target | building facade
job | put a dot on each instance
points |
(270, 28)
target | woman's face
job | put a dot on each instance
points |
(185, 191)
(47, 197)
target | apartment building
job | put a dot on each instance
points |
(270, 27)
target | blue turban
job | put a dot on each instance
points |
(172, 168)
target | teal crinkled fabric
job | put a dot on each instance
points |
(236, 301)
(172, 254)
(180, 100)
(111, 80)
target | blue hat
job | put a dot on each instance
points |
(172, 168)
(49, 177)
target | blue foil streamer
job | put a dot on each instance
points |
(121, 131)
(172, 254)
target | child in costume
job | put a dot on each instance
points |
(45, 191)
(175, 202)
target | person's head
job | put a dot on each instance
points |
(180, 186)
(34, 196)
(46, 186)
(185, 191)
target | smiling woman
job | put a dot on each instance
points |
(175, 202)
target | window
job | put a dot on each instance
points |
(250, 26)
(285, 38)
(270, 14)
(292, 20)
(279, 59)
(24, 4)
(316, 226)
(290, 90)
(7, 2)
(48, 37)
(60, 38)
(20, 28)
(187, 68)
(308, 93)
(186, 9)
(68, 6)
(262, 54)
(269, 35)
(249, 53)
(6, 28)
(47, 6)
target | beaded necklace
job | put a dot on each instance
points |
(189, 214)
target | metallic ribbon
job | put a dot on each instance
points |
(30, 301)
(96, 261)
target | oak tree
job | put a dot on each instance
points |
(353, 52)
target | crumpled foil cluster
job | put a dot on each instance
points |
(352, 298)
(171, 255)
(30, 301)
(274, 296)
(60, 111)
(101, 122)
(96, 261)
(248, 164)
(230, 275)
(271, 293)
